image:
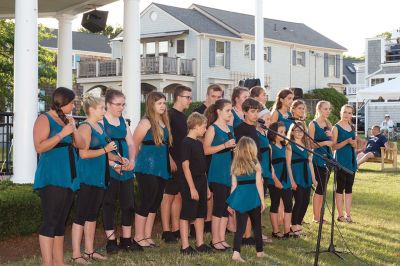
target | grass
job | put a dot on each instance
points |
(374, 237)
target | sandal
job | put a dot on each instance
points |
(152, 245)
(277, 235)
(217, 249)
(149, 246)
(91, 256)
(294, 234)
(341, 219)
(266, 239)
(74, 260)
(227, 247)
(348, 219)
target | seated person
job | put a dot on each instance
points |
(387, 124)
(373, 148)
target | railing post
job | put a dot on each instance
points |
(117, 67)
(78, 68)
(97, 68)
(178, 66)
(160, 64)
(194, 70)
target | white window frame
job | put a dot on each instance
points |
(331, 67)
(300, 58)
(219, 56)
(376, 81)
(247, 50)
(184, 46)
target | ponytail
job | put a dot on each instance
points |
(211, 112)
(61, 97)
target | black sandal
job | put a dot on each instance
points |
(90, 256)
(77, 258)
(152, 245)
(277, 235)
(217, 249)
(149, 246)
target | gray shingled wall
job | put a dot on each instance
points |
(374, 55)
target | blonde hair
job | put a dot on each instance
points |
(150, 114)
(318, 112)
(90, 101)
(245, 160)
(196, 119)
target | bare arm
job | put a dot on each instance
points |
(311, 132)
(208, 149)
(336, 145)
(234, 183)
(274, 117)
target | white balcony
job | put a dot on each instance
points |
(352, 89)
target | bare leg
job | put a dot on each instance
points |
(365, 158)
(77, 231)
(339, 203)
(90, 231)
(58, 250)
(317, 204)
(184, 231)
(126, 231)
(215, 234)
(287, 221)
(348, 199)
(140, 224)
(166, 204)
(209, 208)
(281, 214)
(175, 212)
(110, 234)
(222, 231)
(274, 222)
(148, 230)
(199, 226)
(46, 248)
(231, 223)
(247, 232)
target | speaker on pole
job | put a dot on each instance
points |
(298, 93)
(94, 21)
(249, 83)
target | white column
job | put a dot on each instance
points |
(131, 61)
(64, 57)
(25, 89)
(259, 28)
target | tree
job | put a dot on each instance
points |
(385, 35)
(47, 69)
(109, 31)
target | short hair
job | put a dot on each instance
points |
(196, 119)
(179, 89)
(251, 103)
(90, 101)
(237, 91)
(256, 91)
(111, 94)
(214, 87)
(376, 127)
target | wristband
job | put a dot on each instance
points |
(104, 150)
(59, 137)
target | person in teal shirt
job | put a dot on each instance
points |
(239, 95)
(121, 181)
(55, 137)
(344, 144)
(93, 176)
(152, 138)
(280, 109)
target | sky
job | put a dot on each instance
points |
(347, 22)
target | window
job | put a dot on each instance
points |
(163, 48)
(42, 102)
(180, 46)
(351, 69)
(219, 53)
(141, 49)
(75, 58)
(301, 58)
(246, 50)
(377, 81)
(151, 49)
(267, 53)
(331, 66)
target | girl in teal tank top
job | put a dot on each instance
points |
(281, 107)
(239, 95)
(247, 194)
(344, 144)
(55, 138)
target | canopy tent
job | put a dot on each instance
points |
(389, 90)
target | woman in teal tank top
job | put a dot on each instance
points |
(281, 107)
(152, 138)
(121, 182)
(55, 137)
(94, 177)
(247, 197)
(219, 141)
(344, 144)
(239, 95)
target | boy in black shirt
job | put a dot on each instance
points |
(194, 186)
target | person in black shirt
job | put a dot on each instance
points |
(194, 186)
(214, 92)
(251, 107)
(171, 202)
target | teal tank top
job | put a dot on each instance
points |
(236, 119)
(118, 135)
(95, 171)
(265, 155)
(245, 197)
(280, 166)
(153, 159)
(284, 120)
(346, 156)
(220, 166)
(320, 136)
(300, 167)
(56, 167)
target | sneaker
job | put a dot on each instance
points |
(188, 251)
(168, 237)
(126, 244)
(112, 247)
(204, 249)
(248, 241)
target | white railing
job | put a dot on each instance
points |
(353, 89)
(148, 66)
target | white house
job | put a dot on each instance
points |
(199, 45)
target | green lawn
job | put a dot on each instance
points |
(374, 237)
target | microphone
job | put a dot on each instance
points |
(108, 140)
(262, 123)
(295, 118)
(230, 136)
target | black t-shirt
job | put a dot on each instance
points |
(246, 130)
(375, 143)
(178, 124)
(192, 150)
(201, 109)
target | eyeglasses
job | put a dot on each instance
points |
(187, 97)
(119, 104)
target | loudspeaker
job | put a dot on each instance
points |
(249, 83)
(94, 21)
(298, 93)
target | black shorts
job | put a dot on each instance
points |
(322, 176)
(376, 153)
(172, 186)
(344, 182)
(220, 195)
(88, 203)
(193, 209)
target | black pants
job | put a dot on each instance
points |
(124, 192)
(241, 222)
(88, 203)
(301, 201)
(220, 194)
(322, 176)
(276, 195)
(56, 203)
(151, 189)
(344, 182)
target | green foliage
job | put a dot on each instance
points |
(336, 99)
(46, 58)
(354, 57)
(385, 35)
(109, 31)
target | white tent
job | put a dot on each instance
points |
(389, 90)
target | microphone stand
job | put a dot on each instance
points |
(334, 164)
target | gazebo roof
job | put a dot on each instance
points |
(52, 8)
